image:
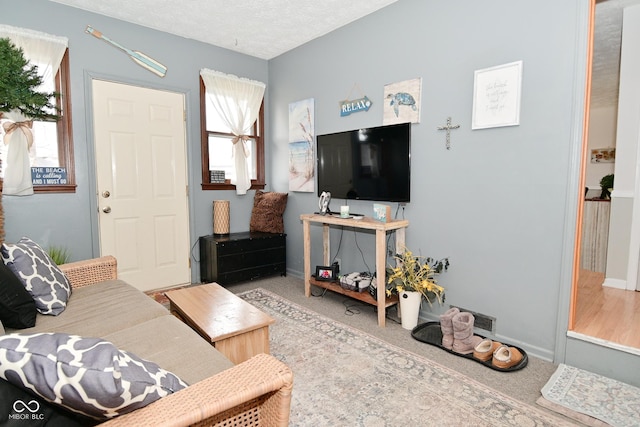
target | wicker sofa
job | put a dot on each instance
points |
(253, 393)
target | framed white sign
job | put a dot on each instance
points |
(496, 96)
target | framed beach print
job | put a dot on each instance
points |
(496, 96)
(301, 146)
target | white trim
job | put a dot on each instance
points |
(615, 283)
(622, 194)
(575, 194)
(603, 342)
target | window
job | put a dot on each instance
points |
(52, 141)
(217, 145)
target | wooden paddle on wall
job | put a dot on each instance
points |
(139, 57)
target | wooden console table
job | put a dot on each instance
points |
(367, 223)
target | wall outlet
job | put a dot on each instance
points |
(339, 261)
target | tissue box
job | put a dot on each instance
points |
(381, 213)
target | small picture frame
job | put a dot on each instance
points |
(326, 273)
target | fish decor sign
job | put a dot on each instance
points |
(347, 107)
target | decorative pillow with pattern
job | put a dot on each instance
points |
(40, 275)
(89, 376)
(266, 215)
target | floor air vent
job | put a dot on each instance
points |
(481, 321)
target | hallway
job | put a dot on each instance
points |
(607, 313)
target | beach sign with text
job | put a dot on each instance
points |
(49, 176)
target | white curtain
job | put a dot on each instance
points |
(237, 101)
(41, 49)
(46, 52)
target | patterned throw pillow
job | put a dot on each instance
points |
(89, 376)
(41, 276)
(266, 215)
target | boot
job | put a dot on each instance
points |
(463, 339)
(447, 327)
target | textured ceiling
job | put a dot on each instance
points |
(268, 28)
(264, 29)
(606, 51)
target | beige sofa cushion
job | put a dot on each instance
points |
(172, 345)
(100, 309)
(132, 321)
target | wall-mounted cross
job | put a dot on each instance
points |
(448, 128)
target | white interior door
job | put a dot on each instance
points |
(140, 147)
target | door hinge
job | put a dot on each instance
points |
(189, 262)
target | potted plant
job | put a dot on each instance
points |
(413, 279)
(606, 184)
(59, 254)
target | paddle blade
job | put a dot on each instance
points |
(149, 63)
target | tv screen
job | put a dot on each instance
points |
(366, 164)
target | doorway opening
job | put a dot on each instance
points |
(604, 314)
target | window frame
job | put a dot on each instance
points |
(64, 131)
(258, 131)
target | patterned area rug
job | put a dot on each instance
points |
(592, 399)
(344, 377)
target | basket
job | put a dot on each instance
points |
(356, 282)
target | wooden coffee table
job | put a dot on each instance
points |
(234, 327)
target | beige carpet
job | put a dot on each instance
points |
(346, 377)
(523, 386)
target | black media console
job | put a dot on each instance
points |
(238, 257)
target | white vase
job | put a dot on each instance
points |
(410, 308)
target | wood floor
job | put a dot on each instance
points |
(607, 313)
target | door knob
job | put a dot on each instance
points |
(105, 194)
(106, 209)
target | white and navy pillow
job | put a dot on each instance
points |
(88, 376)
(40, 275)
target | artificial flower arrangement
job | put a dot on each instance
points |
(417, 273)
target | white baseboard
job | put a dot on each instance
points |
(615, 283)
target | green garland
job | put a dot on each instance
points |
(18, 82)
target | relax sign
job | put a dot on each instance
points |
(347, 107)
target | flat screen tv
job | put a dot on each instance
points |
(366, 164)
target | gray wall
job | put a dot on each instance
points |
(501, 203)
(496, 202)
(70, 219)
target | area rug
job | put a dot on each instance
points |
(344, 377)
(591, 398)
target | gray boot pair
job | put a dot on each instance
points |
(457, 331)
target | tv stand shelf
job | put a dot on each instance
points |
(367, 223)
(361, 296)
